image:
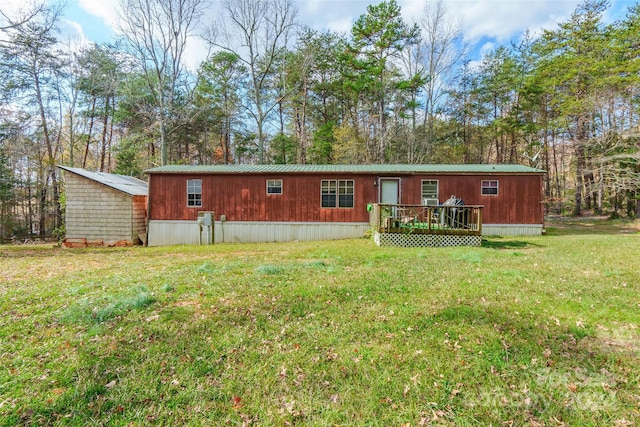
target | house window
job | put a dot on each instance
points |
(489, 188)
(274, 186)
(345, 194)
(337, 193)
(429, 192)
(329, 191)
(194, 193)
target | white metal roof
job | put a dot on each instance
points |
(126, 184)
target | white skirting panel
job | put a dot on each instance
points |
(420, 240)
(162, 233)
(512, 229)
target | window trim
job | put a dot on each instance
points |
(192, 186)
(487, 189)
(271, 187)
(331, 192)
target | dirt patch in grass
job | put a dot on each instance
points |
(622, 338)
(187, 304)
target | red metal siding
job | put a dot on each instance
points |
(519, 198)
(243, 197)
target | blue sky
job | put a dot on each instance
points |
(485, 23)
(92, 26)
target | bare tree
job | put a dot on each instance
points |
(441, 51)
(157, 31)
(257, 31)
(21, 17)
(31, 66)
(413, 68)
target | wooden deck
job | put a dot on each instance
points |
(417, 225)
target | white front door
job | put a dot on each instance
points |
(390, 191)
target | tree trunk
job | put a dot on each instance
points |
(55, 186)
(382, 124)
(302, 126)
(577, 210)
(109, 141)
(91, 118)
(42, 212)
(581, 137)
(227, 140)
(29, 209)
(589, 193)
(105, 128)
(50, 162)
(164, 150)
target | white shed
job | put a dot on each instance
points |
(104, 209)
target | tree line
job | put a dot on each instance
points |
(273, 91)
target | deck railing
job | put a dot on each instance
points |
(418, 219)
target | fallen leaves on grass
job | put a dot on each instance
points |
(237, 402)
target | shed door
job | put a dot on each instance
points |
(390, 191)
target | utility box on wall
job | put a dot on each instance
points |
(207, 219)
(206, 226)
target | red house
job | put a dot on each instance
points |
(268, 203)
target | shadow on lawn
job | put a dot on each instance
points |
(497, 243)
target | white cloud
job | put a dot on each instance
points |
(487, 48)
(310, 7)
(107, 10)
(503, 20)
(14, 9)
(342, 26)
(194, 54)
(484, 49)
(9, 7)
(412, 10)
(334, 15)
(497, 21)
(73, 35)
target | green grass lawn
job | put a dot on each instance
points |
(521, 331)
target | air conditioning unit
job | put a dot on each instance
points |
(429, 201)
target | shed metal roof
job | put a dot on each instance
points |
(381, 169)
(126, 184)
